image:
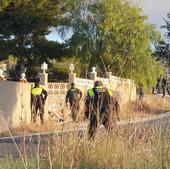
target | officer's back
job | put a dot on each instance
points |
(98, 97)
(38, 98)
(37, 94)
(73, 94)
(99, 108)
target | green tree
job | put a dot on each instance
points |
(162, 49)
(23, 24)
(167, 26)
(112, 34)
(4, 3)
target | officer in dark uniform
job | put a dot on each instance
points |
(74, 96)
(164, 86)
(141, 92)
(38, 98)
(100, 108)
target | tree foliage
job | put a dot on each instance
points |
(24, 24)
(109, 34)
(112, 34)
(4, 3)
(162, 49)
(167, 26)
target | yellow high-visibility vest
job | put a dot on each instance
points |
(91, 92)
(37, 91)
(110, 92)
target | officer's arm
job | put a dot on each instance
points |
(67, 96)
(80, 92)
(87, 106)
(31, 100)
(87, 101)
(44, 92)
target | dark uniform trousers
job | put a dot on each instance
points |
(37, 106)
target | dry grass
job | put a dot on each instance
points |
(150, 106)
(107, 151)
(121, 149)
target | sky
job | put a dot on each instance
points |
(156, 10)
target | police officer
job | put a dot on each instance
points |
(100, 105)
(164, 86)
(158, 86)
(74, 96)
(38, 98)
(141, 92)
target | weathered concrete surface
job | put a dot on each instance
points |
(14, 104)
(36, 143)
(15, 98)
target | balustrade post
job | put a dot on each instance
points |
(93, 74)
(43, 76)
(72, 75)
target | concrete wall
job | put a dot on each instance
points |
(15, 97)
(123, 89)
(14, 104)
(56, 99)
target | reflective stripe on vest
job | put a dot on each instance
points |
(37, 91)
